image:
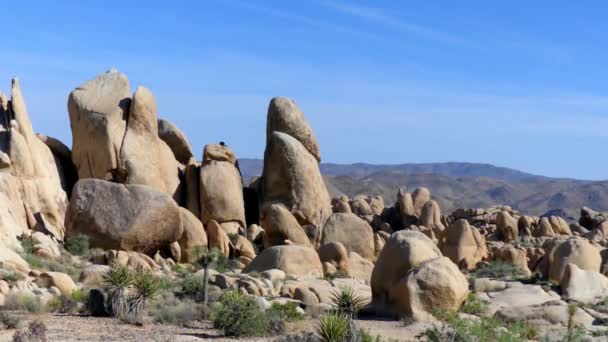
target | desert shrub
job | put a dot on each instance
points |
(289, 311)
(23, 302)
(193, 286)
(338, 274)
(9, 321)
(11, 276)
(347, 301)
(64, 265)
(118, 279)
(36, 332)
(238, 315)
(499, 269)
(27, 244)
(147, 286)
(333, 327)
(171, 310)
(77, 244)
(72, 303)
(474, 305)
(453, 328)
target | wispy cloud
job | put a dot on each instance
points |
(379, 16)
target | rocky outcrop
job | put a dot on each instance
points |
(292, 178)
(297, 261)
(352, 232)
(464, 245)
(221, 195)
(193, 235)
(30, 183)
(115, 136)
(128, 217)
(284, 116)
(560, 252)
(281, 227)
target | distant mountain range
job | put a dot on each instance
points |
(457, 185)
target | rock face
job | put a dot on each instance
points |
(292, 177)
(176, 140)
(221, 194)
(464, 245)
(434, 284)
(127, 217)
(115, 137)
(506, 226)
(298, 261)
(284, 116)
(575, 250)
(194, 235)
(352, 232)
(411, 278)
(583, 286)
(281, 227)
(30, 184)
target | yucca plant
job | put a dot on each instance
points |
(346, 301)
(118, 279)
(146, 286)
(333, 327)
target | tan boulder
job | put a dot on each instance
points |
(351, 231)
(9, 260)
(45, 246)
(127, 217)
(376, 204)
(419, 197)
(545, 228)
(359, 267)
(560, 226)
(115, 137)
(336, 254)
(436, 284)
(292, 177)
(506, 227)
(513, 255)
(464, 245)
(281, 226)
(360, 206)
(62, 281)
(221, 192)
(218, 152)
(218, 238)
(430, 215)
(574, 250)
(194, 235)
(340, 205)
(284, 116)
(294, 260)
(583, 285)
(176, 140)
(403, 251)
(244, 247)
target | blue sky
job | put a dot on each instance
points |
(513, 83)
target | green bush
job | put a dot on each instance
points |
(146, 286)
(238, 315)
(23, 302)
(347, 301)
(77, 244)
(474, 305)
(484, 329)
(171, 310)
(192, 287)
(289, 311)
(11, 276)
(73, 303)
(10, 321)
(499, 269)
(333, 327)
(63, 265)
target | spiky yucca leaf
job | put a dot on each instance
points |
(333, 327)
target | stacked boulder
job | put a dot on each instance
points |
(31, 192)
(291, 186)
(411, 278)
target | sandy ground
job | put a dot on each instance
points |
(93, 329)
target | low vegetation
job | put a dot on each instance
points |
(9, 321)
(77, 244)
(169, 309)
(23, 302)
(238, 315)
(499, 269)
(474, 305)
(485, 329)
(346, 301)
(11, 276)
(333, 327)
(36, 332)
